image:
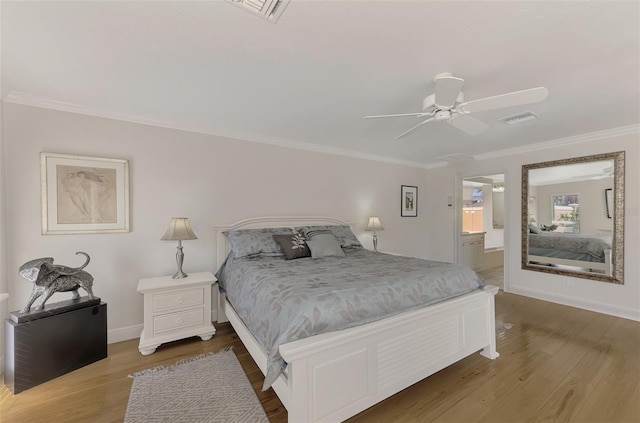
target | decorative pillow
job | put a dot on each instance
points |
(293, 246)
(343, 234)
(251, 242)
(534, 229)
(311, 234)
(324, 245)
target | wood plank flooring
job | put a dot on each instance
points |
(557, 364)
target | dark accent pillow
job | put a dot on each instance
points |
(293, 246)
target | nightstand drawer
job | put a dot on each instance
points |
(179, 320)
(186, 298)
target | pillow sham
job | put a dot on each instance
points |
(324, 245)
(293, 246)
(251, 242)
(343, 234)
(534, 229)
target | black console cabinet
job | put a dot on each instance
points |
(38, 349)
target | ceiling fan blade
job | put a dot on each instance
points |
(447, 90)
(410, 130)
(468, 124)
(400, 115)
(532, 95)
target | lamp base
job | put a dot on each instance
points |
(179, 275)
(375, 242)
(179, 259)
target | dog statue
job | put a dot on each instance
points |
(49, 278)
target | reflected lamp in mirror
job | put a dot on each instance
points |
(179, 230)
(374, 226)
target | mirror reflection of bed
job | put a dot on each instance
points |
(571, 224)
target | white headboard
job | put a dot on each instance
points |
(222, 244)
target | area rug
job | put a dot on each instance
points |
(207, 388)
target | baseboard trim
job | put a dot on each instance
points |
(623, 312)
(124, 334)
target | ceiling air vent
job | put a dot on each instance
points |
(268, 9)
(456, 157)
(520, 117)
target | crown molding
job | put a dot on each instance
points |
(26, 99)
(576, 139)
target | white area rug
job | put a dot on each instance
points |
(207, 388)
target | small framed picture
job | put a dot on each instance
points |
(84, 194)
(408, 201)
(608, 199)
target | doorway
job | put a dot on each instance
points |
(481, 220)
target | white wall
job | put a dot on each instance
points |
(3, 241)
(619, 300)
(211, 180)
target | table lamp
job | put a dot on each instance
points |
(374, 226)
(179, 230)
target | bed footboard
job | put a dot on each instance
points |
(333, 376)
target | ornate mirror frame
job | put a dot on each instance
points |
(617, 256)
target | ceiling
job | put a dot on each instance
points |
(307, 80)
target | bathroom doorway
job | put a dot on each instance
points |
(482, 223)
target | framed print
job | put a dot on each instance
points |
(409, 201)
(83, 195)
(608, 199)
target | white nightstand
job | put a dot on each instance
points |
(175, 309)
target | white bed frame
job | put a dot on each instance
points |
(333, 376)
(606, 267)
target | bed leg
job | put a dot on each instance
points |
(490, 350)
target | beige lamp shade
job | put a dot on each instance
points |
(374, 224)
(179, 230)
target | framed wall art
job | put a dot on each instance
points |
(408, 201)
(608, 200)
(84, 194)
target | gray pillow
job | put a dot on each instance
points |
(251, 242)
(325, 245)
(343, 234)
(534, 229)
(293, 246)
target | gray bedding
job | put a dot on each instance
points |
(570, 246)
(285, 300)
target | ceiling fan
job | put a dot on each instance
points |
(447, 104)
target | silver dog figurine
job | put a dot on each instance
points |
(49, 278)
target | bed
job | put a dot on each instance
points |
(586, 251)
(334, 375)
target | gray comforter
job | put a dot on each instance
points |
(593, 245)
(284, 300)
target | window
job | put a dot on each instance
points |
(472, 212)
(565, 212)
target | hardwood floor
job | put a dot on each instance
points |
(493, 276)
(557, 363)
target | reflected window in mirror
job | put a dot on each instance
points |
(565, 217)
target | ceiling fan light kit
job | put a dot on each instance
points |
(447, 104)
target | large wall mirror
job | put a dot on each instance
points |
(573, 217)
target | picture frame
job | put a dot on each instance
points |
(608, 201)
(408, 201)
(83, 195)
